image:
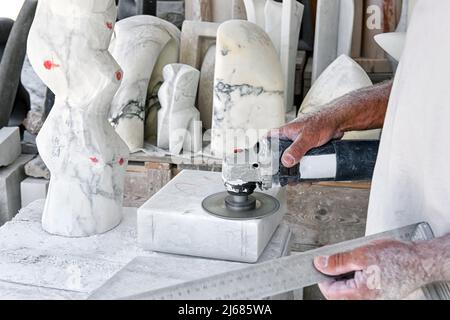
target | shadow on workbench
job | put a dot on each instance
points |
(319, 215)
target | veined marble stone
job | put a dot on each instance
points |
(136, 45)
(10, 179)
(68, 49)
(10, 148)
(248, 87)
(334, 30)
(179, 125)
(173, 221)
(282, 22)
(344, 75)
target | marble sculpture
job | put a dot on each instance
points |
(68, 48)
(137, 45)
(341, 77)
(282, 22)
(248, 87)
(179, 126)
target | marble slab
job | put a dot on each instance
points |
(10, 147)
(32, 189)
(173, 221)
(37, 265)
(151, 273)
(282, 22)
(334, 33)
(10, 179)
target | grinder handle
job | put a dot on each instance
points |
(355, 160)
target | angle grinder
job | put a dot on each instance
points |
(245, 171)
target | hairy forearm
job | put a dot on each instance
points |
(435, 256)
(363, 109)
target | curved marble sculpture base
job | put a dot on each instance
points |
(137, 44)
(341, 77)
(248, 87)
(68, 49)
(179, 126)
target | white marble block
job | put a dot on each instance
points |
(10, 179)
(136, 45)
(334, 33)
(282, 22)
(32, 189)
(10, 148)
(152, 273)
(174, 221)
(343, 76)
(248, 87)
(179, 126)
(68, 49)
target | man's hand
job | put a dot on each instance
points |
(383, 270)
(307, 132)
(363, 109)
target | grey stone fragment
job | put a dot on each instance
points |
(10, 148)
(12, 60)
(129, 8)
(10, 179)
(36, 168)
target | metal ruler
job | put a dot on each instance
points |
(274, 277)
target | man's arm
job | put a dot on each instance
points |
(386, 269)
(362, 109)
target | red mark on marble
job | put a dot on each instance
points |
(48, 64)
(121, 161)
(119, 75)
(109, 25)
(94, 159)
(237, 150)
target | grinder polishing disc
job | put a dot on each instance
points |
(265, 206)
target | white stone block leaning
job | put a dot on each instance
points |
(248, 87)
(32, 189)
(174, 221)
(333, 35)
(10, 179)
(341, 77)
(282, 22)
(10, 147)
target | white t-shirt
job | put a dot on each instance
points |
(412, 176)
